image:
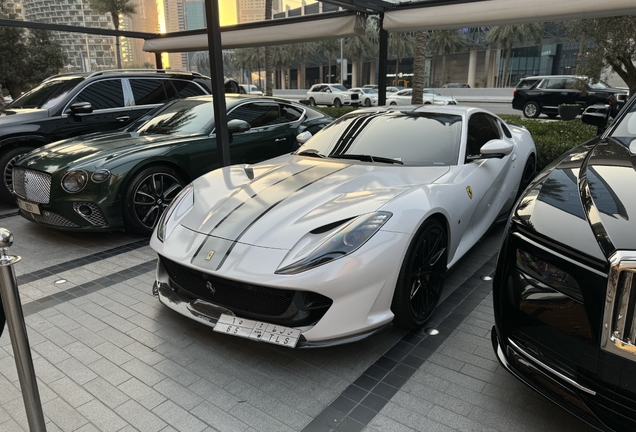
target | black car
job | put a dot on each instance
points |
(565, 285)
(543, 94)
(68, 105)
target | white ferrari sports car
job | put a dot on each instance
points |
(352, 232)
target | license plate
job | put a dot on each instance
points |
(29, 207)
(257, 330)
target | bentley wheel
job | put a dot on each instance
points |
(337, 103)
(367, 102)
(7, 162)
(421, 278)
(147, 196)
(312, 102)
(531, 110)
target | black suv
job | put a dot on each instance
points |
(544, 94)
(68, 105)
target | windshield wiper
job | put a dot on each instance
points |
(311, 153)
(367, 158)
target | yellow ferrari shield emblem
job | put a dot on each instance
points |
(469, 190)
(209, 256)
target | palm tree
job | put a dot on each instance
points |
(251, 59)
(505, 36)
(329, 47)
(446, 42)
(269, 66)
(115, 8)
(419, 62)
(358, 49)
(301, 53)
(400, 46)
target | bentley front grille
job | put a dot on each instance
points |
(619, 317)
(50, 218)
(278, 306)
(32, 185)
(90, 212)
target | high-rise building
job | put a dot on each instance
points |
(146, 20)
(175, 16)
(13, 9)
(85, 52)
(254, 10)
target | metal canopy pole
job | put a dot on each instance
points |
(384, 44)
(10, 301)
(218, 82)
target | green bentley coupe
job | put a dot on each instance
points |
(126, 179)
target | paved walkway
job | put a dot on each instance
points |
(109, 357)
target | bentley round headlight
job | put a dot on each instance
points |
(100, 175)
(74, 181)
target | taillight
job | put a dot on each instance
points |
(514, 93)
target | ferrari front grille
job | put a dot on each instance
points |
(619, 317)
(277, 306)
(32, 185)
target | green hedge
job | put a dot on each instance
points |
(553, 138)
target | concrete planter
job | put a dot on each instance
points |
(569, 112)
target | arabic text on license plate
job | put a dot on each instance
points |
(30, 207)
(265, 332)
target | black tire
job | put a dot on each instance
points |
(7, 161)
(415, 299)
(147, 196)
(427, 103)
(367, 102)
(337, 103)
(312, 102)
(531, 110)
(529, 172)
(392, 103)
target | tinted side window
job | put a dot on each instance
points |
(148, 91)
(187, 89)
(481, 129)
(103, 94)
(257, 115)
(289, 113)
(554, 83)
(526, 83)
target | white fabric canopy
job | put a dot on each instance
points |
(281, 33)
(499, 12)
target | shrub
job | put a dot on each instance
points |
(335, 112)
(553, 138)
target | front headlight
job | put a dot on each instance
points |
(340, 243)
(74, 181)
(171, 217)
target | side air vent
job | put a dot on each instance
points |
(619, 316)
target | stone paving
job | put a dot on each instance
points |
(109, 357)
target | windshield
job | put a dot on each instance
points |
(368, 90)
(183, 117)
(46, 95)
(598, 85)
(426, 139)
(339, 87)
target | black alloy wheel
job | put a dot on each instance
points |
(148, 195)
(7, 162)
(312, 102)
(531, 110)
(337, 103)
(421, 278)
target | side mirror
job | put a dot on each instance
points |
(496, 148)
(303, 137)
(597, 115)
(81, 108)
(236, 125)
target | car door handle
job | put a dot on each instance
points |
(123, 118)
(280, 139)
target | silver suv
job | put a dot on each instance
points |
(332, 94)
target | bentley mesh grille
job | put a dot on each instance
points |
(95, 218)
(32, 185)
(53, 219)
(231, 294)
